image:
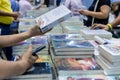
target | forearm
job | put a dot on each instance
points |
(116, 22)
(3, 13)
(9, 68)
(98, 15)
(103, 14)
(9, 40)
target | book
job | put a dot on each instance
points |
(75, 66)
(89, 34)
(73, 29)
(107, 69)
(66, 36)
(111, 52)
(84, 77)
(53, 17)
(72, 45)
(39, 70)
(70, 54)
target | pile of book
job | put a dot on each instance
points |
(89, 34)
(70, 45)
(109, 58)
(72, 55)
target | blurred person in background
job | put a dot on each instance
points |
(98, 12)
(15, 23)
(73, 5)
(6, 18)
(24, 6)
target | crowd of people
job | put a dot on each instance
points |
(10, 10)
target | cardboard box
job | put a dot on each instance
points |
(54, 17)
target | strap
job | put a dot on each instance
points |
(95, 11)
(3, 56)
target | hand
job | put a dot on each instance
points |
(105, 27)
(84, 12)
(15, 15)
(27, 60)
(34, 31)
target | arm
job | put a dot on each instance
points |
(67, 3)
(13, 14)
(103, 14)
(9, 40)
(10, 68)
(106, 27)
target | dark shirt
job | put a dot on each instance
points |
(91, 8)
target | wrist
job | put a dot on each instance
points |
(110, 27)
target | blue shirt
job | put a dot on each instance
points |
(14, 5)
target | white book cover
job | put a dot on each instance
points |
(89, 34)
(53, 17)
(112, 49)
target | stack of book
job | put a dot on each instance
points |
(37, 41)
(41, 70)
(109, 58)
(89, 34)
(72, 48)
(72, 55)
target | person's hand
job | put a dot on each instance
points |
(27, 60)
(101, 26)
(35, 31)
(83, 12)
(15, 15)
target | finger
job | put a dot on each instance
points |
(29, 51)
(94, 26)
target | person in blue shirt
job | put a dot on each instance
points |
(15, 24)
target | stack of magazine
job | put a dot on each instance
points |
(89, 34)
(109, 58)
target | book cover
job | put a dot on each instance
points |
(84, 77)
(39, 70)
(66, 36)
(89, 34)
(110, 51)
(72, 45)
(53, 17)
(77, 66)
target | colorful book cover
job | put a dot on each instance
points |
(77, 65)
(43, 58)
(84, 77)
(69, 44)
(65, 36)
(39, 70)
